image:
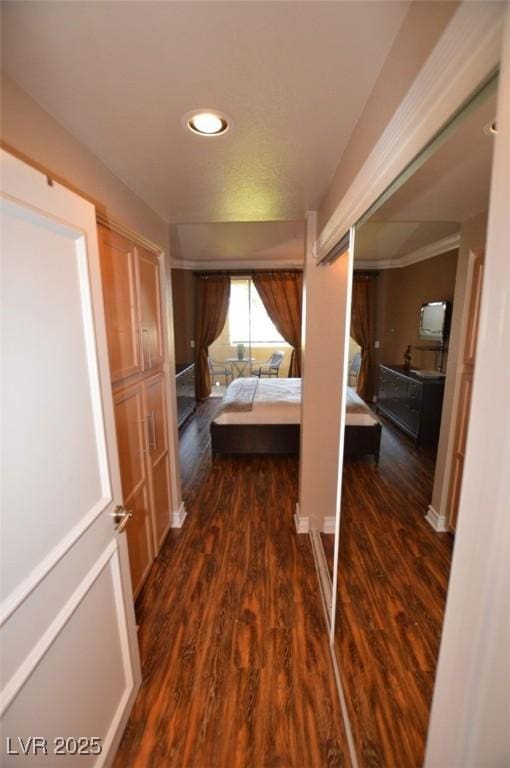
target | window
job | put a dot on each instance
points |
(248, 320)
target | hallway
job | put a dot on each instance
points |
(235, 657)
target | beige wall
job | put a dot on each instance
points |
(400, 294)
(422, 26)
(183, 292)
(33, 133)
(472, 237)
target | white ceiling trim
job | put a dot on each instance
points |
(230, 264)
(468, 51)
(444, 245)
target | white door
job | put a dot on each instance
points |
(70, 666)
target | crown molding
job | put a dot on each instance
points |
(449, 243)
(230, 264)
(465, 55)
(107, 221)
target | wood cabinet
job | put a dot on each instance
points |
(132, 298)
(142, 436)
(150, 309)
(120, 296)
(158, 456)
(132, 440)
(413, 403)
(466, 385)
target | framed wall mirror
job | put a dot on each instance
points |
(416, 281)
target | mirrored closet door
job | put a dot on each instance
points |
(416, 281)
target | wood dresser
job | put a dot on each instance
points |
(412, 402)
(132, 299)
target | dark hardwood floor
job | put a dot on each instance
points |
(393, 576)
(195, 449)
(235, 658)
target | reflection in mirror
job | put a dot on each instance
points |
(417, 255)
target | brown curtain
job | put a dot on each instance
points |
(363, 330)
(282, 295)
(212, 297)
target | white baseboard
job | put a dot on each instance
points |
(302, 523)
(179, 517)
(438, 522)
(329, 525)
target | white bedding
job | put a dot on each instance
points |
(278, 401)
(358, 414)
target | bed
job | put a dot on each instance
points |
(263, 416)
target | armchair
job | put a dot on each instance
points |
(220, 369)
(270, 367)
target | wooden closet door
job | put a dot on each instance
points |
(466, 386)
(132, 444)
(155, 404)
(150, 309)
(118, 273)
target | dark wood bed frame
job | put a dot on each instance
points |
(284, 439)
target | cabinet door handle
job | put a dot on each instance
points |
(146, 437)
(154, 430)
(146, 330)
(141, 349)
(153, 444)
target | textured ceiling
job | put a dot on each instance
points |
(452, 186)
(294, 76)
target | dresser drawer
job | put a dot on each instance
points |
(413, 405)
(414, 393)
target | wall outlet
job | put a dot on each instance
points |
(377, 344)
(192, 343)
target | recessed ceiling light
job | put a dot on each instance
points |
(207, 122)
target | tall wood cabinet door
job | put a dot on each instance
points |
(155, 404)
(466, 385)
(132, 446)
(460, 446)
(150, 309)
(118, 273)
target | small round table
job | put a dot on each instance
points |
(240, 365)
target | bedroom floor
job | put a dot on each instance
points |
(394, 571)
(235, 658)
